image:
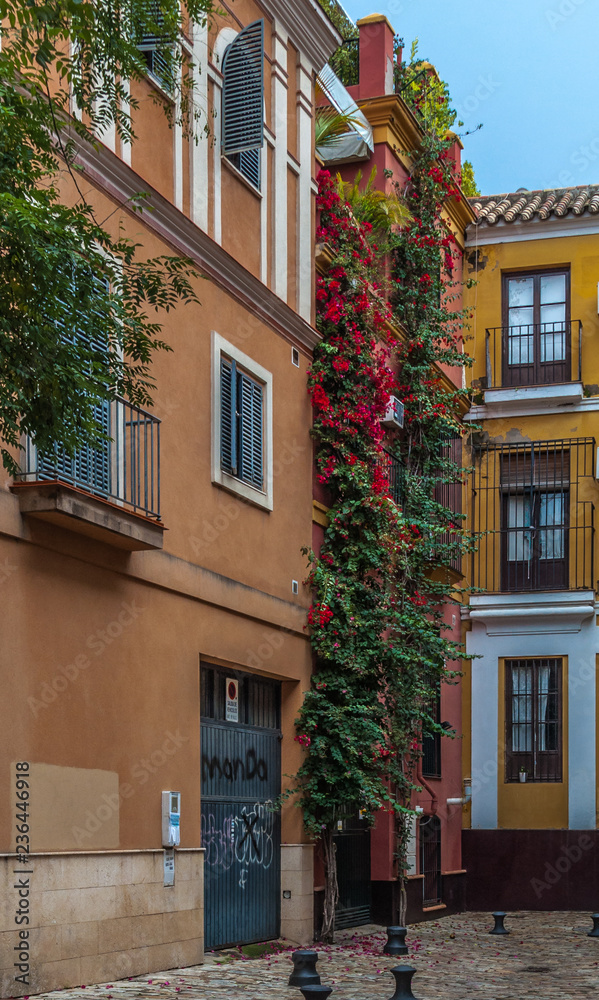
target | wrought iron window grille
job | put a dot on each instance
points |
(533, 530)
(533, 720)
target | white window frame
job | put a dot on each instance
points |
(261, 498)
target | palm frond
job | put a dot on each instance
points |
(331, 125)
(381, 209)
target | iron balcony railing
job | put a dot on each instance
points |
(392, 468)
(124, 469)
(533, 523)
(447, 549)
(533, 354)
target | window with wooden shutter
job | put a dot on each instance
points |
(243, 101)
(242, 425)
(250, 431)
(152, 44)
(90, 466)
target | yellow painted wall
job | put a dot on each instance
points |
(532, 805)
(581, 253)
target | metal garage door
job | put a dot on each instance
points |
(241, 778)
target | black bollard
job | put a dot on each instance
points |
(498, 928)
(403, 982)
(304, 969)
(396, 941)
(595, 931)
(316, 992)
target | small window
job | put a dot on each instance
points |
(243, 101)
(242, 424)
(152, 45)
(431, 746)
(533, 720)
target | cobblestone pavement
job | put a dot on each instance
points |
(546, 956)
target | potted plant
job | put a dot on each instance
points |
(522, 774)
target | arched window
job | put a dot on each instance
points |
(243, 101)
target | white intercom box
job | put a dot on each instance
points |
(171, 817)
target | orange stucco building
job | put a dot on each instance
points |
(157, 582)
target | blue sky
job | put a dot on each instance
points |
(527, 69)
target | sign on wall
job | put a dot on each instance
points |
(232, 700)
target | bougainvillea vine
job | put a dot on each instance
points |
(376, 618)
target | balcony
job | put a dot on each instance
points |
(447, 548)
(392, 468)
(110, 492)
(533, 362)
(533, 519)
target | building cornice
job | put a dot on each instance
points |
(395, 124)
(308, 28)
(520, 232)
(543, 408)
(121, 183)
(533, 613)
(461, 214)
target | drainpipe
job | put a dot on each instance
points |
(467, 796)
(421, 781)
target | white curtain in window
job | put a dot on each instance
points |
(518, 520)
(543, 698)
(521, 709)
(551, 517)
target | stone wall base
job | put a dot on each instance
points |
(97, 917)
(297, 877)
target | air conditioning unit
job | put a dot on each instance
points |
(394, 415)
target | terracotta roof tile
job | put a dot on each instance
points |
(527, 206)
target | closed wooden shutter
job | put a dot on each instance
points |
(243, 91)
(251, 406)
(541, 466)
(228, 416)
(90, 466)
(152, 42)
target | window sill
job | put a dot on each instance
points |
(527, 400)
(249, 493)
(241, 177)
(531, 781)
(157, 86)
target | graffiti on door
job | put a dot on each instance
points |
(245, 837)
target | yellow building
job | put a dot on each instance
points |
(532, 618)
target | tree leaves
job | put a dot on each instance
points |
(80, 308)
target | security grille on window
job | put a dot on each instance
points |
(431, 746)
(532, 522)
(242, 423)
(536, 491)
(243, 98)
(533, 720)
(448, 493)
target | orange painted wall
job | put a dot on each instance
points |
(221, 590)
